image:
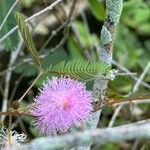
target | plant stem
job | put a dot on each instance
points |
(21, 98)
(13, 57)
(132, 131)
(15, 113)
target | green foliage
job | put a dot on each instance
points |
(27, 3)
(136, 14)
(25, 69)
(27, 38)
(11, 42)
(144, 28)
(97, 8)
(146, 146)
(122, 85)
(29, 69)
(127, 49)
(131, 42)
(74, 49)
(109, 146)
(80, 68)
(34, 132)
(87, 39)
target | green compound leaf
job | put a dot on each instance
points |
(27, 38)
(80, 68)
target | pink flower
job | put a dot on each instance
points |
(61, 103)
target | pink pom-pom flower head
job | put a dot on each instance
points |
(61, 103)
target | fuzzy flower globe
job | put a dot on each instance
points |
(61, 103)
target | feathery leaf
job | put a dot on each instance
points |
(27, 38)
(80, 68)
